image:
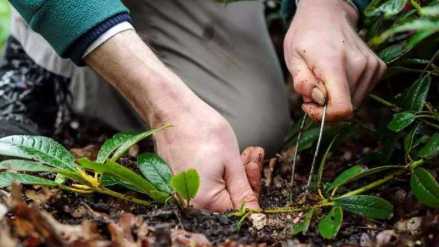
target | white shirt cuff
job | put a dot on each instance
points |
(108, 35)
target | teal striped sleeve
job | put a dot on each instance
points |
(62, 22)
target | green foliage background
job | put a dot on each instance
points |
(4, 21)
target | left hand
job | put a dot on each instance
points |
(324, 51)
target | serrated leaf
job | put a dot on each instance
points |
(24, 166)
(125, 175)
(401, 121)
(345, 176)
(155, 170)
(39, 148)
(112, 144)
(431, 149)
(414, 97)
(425, 187)
(7, 178)
(125, 146)
(369, 206)
(303, 225)
(186, 184)
(331, 223)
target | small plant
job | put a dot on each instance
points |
(42, 155)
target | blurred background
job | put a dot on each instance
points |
(4, 22)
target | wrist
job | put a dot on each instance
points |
(345, 7)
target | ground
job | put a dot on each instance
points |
(37, 216)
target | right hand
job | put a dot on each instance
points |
(325, 55)
(202, 139)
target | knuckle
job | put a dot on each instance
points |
(299, 86)
(360, 62)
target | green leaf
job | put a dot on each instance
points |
(309, 137)
(331, 223)
(156, 171)
(409, 140)
(388, 9)
(414, 97)
(38, 148)
(125, 146)
(186, 184)
(112, 144)
(303, 225)
(393, 52)
(401, 121)
(24, 166)
(125, 175)
(7, 178)
(431, 149)
(425, 187)
(345, 176)
(416, 25)
(432, 11)
(369, 206)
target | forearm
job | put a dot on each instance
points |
(127, 63)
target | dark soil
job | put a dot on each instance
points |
(162, 221)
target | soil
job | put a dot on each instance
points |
(105, 221)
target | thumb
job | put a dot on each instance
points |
(239, 186)
(304, 80)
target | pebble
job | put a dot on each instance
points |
(386, 238)
(259, 221)
(414, 225)
(365, 240)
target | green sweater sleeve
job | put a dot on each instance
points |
(62, 22)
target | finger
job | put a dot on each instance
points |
(304, 80)
(367, 81)
(251, 169)
(220, 201)
(238, 185)
(254, 169)
(339, 95)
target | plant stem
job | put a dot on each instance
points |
(381, 181)
(121, 196)
(384, 102)
(430, 124)
(372, 185)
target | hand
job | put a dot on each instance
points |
(202, 139)
(325, 55)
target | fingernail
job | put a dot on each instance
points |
(318, 96)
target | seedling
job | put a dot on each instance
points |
(37, 154)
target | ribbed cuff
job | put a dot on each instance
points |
(80, 46)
